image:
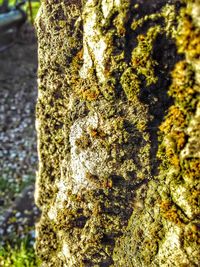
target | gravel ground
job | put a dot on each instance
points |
(18, 149)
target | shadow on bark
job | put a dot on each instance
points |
(156, 96)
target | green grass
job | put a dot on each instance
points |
(22, 255)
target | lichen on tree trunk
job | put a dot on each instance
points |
(118, 124)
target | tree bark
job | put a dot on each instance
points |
(118, 122)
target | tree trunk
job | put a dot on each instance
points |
(118, 121)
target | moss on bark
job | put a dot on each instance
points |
(118, 126)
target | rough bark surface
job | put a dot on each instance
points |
(118, 121)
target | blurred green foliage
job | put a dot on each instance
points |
(22, 255)
(33, 4)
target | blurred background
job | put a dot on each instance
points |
(18, 148)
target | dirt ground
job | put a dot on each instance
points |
(18, 149)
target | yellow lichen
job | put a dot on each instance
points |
(191, 169)
(182, 87)
(188, 38)
(170, 212)
(130, 84)
(175, 119)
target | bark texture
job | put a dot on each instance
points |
(118, 121)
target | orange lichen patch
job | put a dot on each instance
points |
(85, 89)
(174, 160)
(79, 55)
(191, 169)
(96, 133)
(192, 234)
(170, 212)
(182, 86)
(89, 95)
(93, 132)
(175, 119)
(165, 205)
(194, 197)
(179, 139)
(188, 38)
(107, 183)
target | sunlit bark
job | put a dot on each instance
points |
(118, 121)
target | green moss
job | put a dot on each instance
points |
(130, 83)
(179, 171)
(184, 90)
(141, 59)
